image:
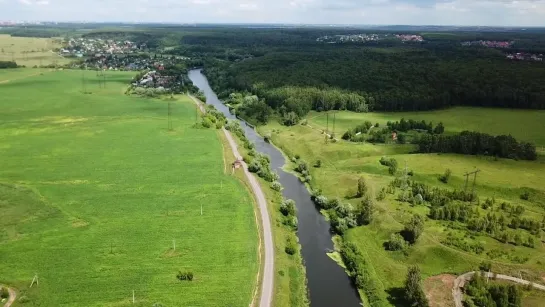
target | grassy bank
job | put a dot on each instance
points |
(343, 163)
(96, 191)
(290, 279)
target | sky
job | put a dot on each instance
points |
(365, 12)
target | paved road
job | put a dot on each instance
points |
(268, 271)
(462, 279)
(12, 296)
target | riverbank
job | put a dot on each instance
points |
(328, 284)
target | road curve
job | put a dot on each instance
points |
(462, 279)
(268, 269)
(12, 296)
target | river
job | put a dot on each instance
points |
(328, 283)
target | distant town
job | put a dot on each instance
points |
(359, 38)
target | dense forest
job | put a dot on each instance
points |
(278, 65)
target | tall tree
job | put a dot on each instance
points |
(413, 288)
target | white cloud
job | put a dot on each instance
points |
(448, 12)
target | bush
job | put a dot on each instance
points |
(318, 163)
(277, 186)
(525, 195)
(297, 157)
(288, 207)
(185, 275)
(4, 293)
(362, 187)
(24, 299)
(485, 266)
(290, 248)
(206, 123)
(396, 242)
(446, 176)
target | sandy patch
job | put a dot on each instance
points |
(438, 290)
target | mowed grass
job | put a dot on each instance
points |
(30, 51)
(525, 125)
(95, 190)
(342, 163)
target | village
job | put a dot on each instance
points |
(362, 38)
(80, 47)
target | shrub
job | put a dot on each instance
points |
(287, 207)
(382, 194)
(396, 242)
(297, 157)
(525, 195)
(4, 293)
(185, 275)
(485, 266)
(277, 186)
(206, 123)
(446, 176)
(362, 187)
(392, 169)
(24, 299)
(318, 163)
(290, 248)
(302, 166)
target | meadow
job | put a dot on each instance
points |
(343, 162)
(30, 51)
(99, 199)
(525, 125)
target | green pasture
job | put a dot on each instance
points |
(95, 192)
(30, 51)
(343, 162)
(525, 125)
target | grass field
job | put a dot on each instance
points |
(526, 125)
(30, 51)
(344, 162)
(94, 189)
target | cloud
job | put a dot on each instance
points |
(446, 12)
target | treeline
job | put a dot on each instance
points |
(476, 143)
(406, 125)
(414, 79)
(8, 64)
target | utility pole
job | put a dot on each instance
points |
(327, 126)
(174, 244)
(467, 174)
(133, 296)
(334, 123)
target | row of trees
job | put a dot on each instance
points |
(476, 143)
(406, 125)
(7, 64)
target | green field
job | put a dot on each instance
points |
(94, 189)
(525, 125)
(30, 51)
(344, 162)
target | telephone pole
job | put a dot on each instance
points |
(467, 174)
(327, 126)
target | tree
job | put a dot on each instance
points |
(362, 187)
(439, 129)
(401, 138)
(413, 288)
(413, 229)
(365, 211)
(396, 242)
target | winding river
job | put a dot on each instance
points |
(328, 284)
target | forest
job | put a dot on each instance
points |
(7, 64)
(382, 76)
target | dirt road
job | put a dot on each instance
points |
(268, 270)
(462, 279)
